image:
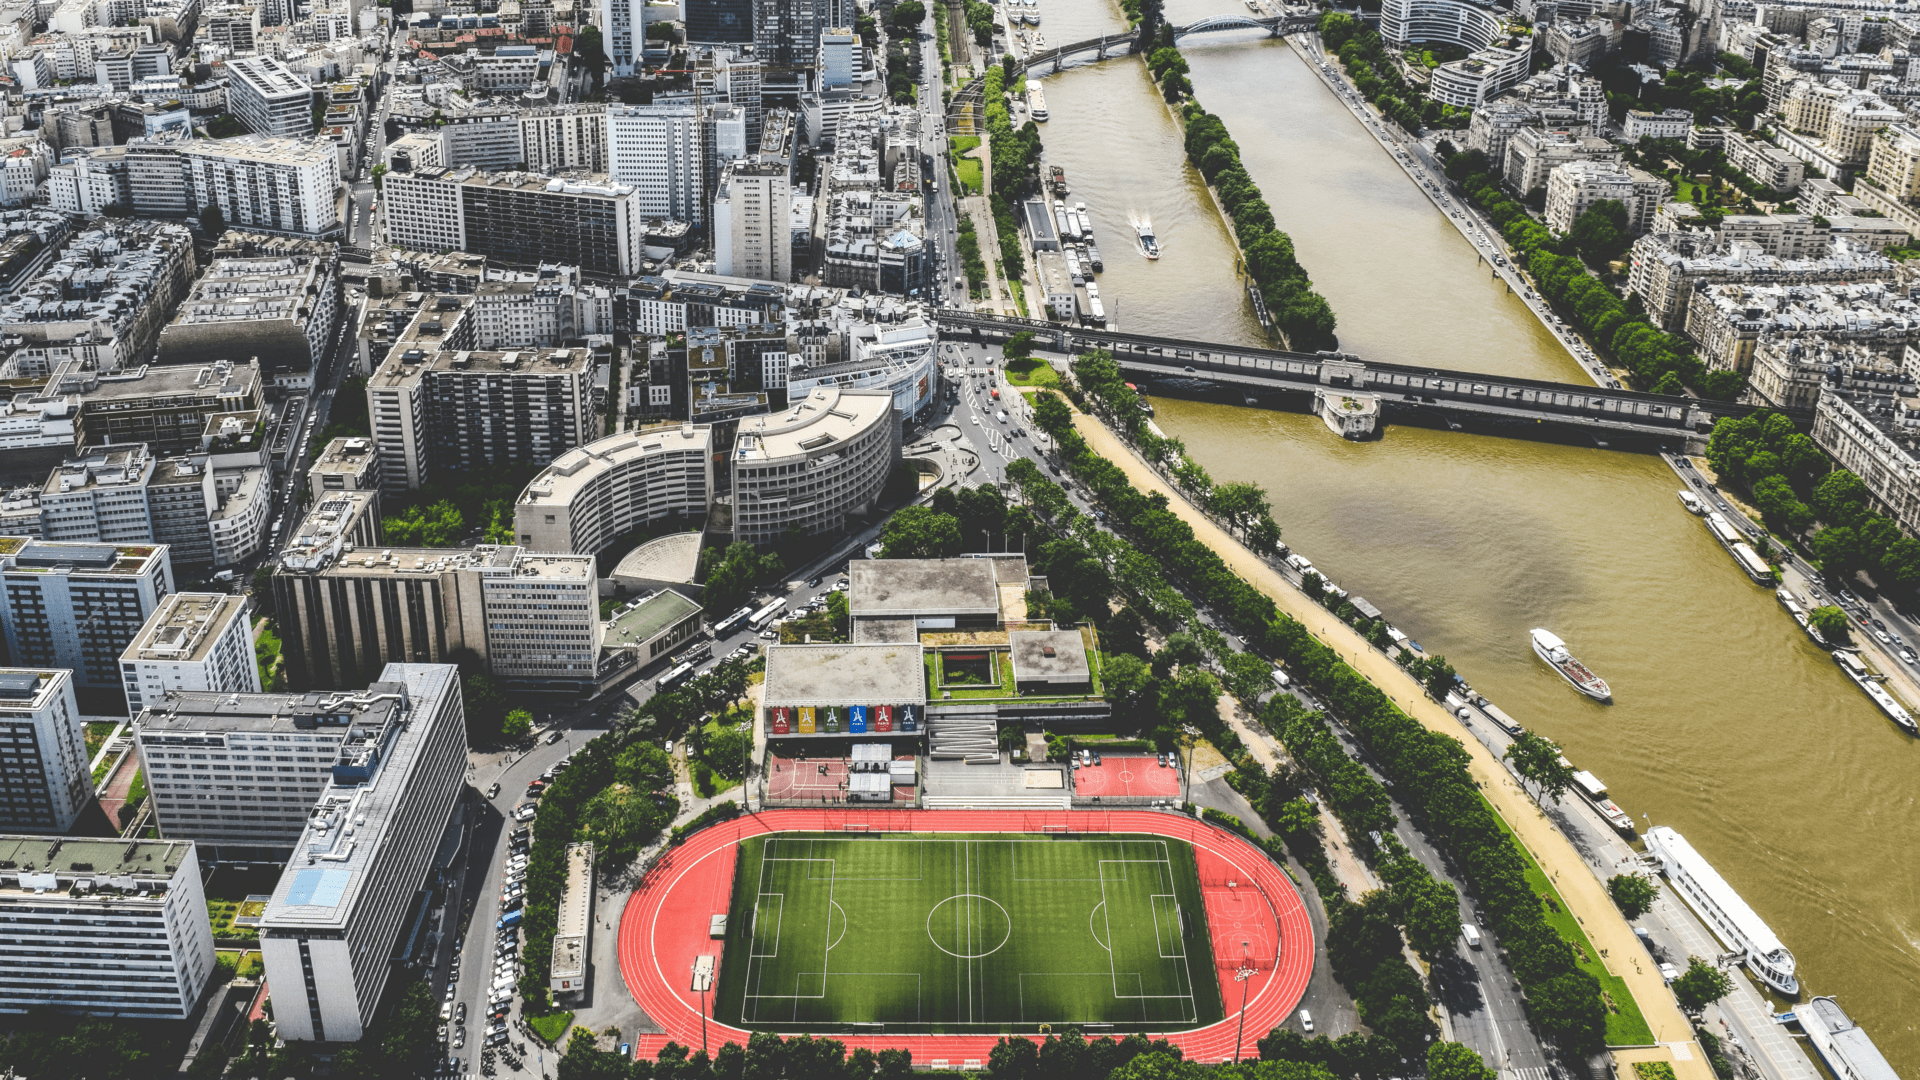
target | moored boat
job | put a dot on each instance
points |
(1727, 916)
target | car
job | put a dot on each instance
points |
(1189, 369)
(975, 419)
(1163, 759)
(446, 1011)
(1668, 972)
(768, 635)
(669, 746)
(534, 790)
(493, 791)
(813, 583)
(1306, 1021)
(460, 1014)
(459, 1038)
(1878, 625)
(1096, 758)
(525, 812)
(555, 737)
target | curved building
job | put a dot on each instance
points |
(1480, 78)
(812, 464)
(595, 493)
(1403, 22)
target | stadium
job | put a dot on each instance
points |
(941, 930)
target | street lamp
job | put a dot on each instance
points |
(1242, 976)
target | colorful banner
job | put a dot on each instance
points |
(883, 718)
(806, 719)
(780, 721)
(857, 719)
(833, 720)
(909, 718)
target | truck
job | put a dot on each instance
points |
(1507, 723)
(1471, 933)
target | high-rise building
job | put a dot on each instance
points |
(839, 58)
(329, 933)
(238, 773)
(787, 32)
(44, 780)
(543, 619)
(622, 29)
(269, 185)
(719, 22)
(108, 927)
(753, 221)
(520, 219)
(656, 149)
(268, 97)
(593, 494)
(564, 137)
(193, 641)
(473, 410)
(77, 606)
(732, 76)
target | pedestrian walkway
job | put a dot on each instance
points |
(1583, 893)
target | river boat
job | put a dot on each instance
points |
(1792, 604)
(1692, 502)
(1033, 13)
(1036, 102)
(1863, 677)
(1550, 648)
(1149, 246)
(1590, 786)
(1059, 176)
(1737, 926)
(1093, 259)
(1750, 561)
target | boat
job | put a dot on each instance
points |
(1093, 259)
(1841, 1043)
(1788, 601)
(1059, 180)
(1863, 677)
(1036, 102)
(1550, 648)
(1033, 13)
(1737, 926)
(1750, 561)
(1590, 786)
(1692, 502)
(1149, 246)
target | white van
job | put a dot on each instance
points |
(1471, 933)
(1280, 680)
(1306, 1021)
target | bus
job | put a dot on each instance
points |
(694, 655)
(732, 623)
(673, 678)
(767, 614)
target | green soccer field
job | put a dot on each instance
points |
(966, 933)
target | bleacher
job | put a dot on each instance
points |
(972, 739)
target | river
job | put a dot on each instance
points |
(1729, 725)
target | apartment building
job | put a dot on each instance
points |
(596, 493)
(1730, 320)
(1533, 154)
(345, 465)
(1665, 124)
(473, 409)
(812, 466)
(283, 309)
(107, 927)
(104, 299)
(520, 219)
(267, 96)
(278, 185)
(193, 641)
(329, 933)
(550, 309)
(77, 606)
(100, 497)
(753, 221)
(677, 300)
(564, 137)
(1573, 188)
(656, 150)
(1874, 433)
(45, 781)
(1667, 268)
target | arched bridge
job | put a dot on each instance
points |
(1272, 24)
(1526, 407)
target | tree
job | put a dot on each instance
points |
(1600, 234)
(1019, 346)
(1830, 622)
(908, 16)
(1567, 1009)
(1295, 818)
(517, 725)
(1454, 1061)
(212, 222)
(1537, 759)
(729, 574)
(1013, 1058)
(919, 532)
(1632, 893)
(1701, 985)
(726, 753)
(1051, 413)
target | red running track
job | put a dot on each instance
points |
(1252, 906)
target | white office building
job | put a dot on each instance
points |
(752, 226)
(77, 606)
(564, 137)
(593, 494)
(543, 617)
(329, 932)
(103, 926)
(44, 779)
(268, 97)
(288, 186)
(193, 641)
(811, 465)
(656, 150)
(621, 24)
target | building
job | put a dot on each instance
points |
(520, 219)
(679, 300)
(1764, 163)
(107, 927)
(603, 490)
(44, 778)
(100, 497)
(563, 137)
(193, 641)
(656, 150)
(1836, 125)
(1049, 662)
(282, 309)
(1792, 372)
(543, 624)
(1876, 436)
(77, 606)
(1404, 22)
(752, 212)
(1666, 124)
(573, 924)
(165, 407)
(1533, 154)
(268, 97)
(476, 132)
(719, 22)
(1667, 268)
(840, 690)
(466, 410)
(894, 599)
(812, 466)
(345, 465)
(1484, 75)
(208, 508)
(104, 299)
(900, 358)
(289, 186)
(1729, 320)
(1573, 188)
(544, 310)
(359, 868)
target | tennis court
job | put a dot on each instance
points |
(1137, 777)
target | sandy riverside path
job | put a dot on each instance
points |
(1583, 893)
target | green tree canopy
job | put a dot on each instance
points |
(1701, 985)
(1632, 893)
(919, 532)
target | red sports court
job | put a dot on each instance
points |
(807, 779)
(1137, 777)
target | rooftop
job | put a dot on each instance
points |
(667, 558)
(890, 674)
(28, 689)
(344, 455)
(193, 711)
(933, 587)
(561, 481)
(813, 426)
(1050, 656)
(185, 627)
(639, 620)
(83, 558)
(322, 535)
(70, 858)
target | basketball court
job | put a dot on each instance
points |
(807, 779)
(1135, 777)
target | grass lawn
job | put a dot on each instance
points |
(1625, 1024)
(266, 651)
(97, 734)
(968, 170)
(973, 934)
(551, 1026)
(1032, 372)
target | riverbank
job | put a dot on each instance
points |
(1585, 897)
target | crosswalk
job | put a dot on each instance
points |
(1541, 1073)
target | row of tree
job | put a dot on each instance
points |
(1377, 77)
(1011, 152)
(1303, 315)
(1661, 361)
(1429, 769)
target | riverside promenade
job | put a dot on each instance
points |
(1586, 898)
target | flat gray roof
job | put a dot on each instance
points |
(322, 712)
(889, 674)
(1055, 656)
(904, 587)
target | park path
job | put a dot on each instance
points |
(1583, 893)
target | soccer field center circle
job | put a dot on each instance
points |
(663, 927)
(971, 915)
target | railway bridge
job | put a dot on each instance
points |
(1346, 390)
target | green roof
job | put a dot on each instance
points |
(640, 622)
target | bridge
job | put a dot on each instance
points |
(1531, 408)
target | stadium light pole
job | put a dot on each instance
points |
(1243, 977)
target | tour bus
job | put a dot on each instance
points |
(767, 614)
(732, 623)
(673, 678)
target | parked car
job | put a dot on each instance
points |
(525, 812)
(493, 790)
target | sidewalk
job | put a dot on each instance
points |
(1585, 897)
